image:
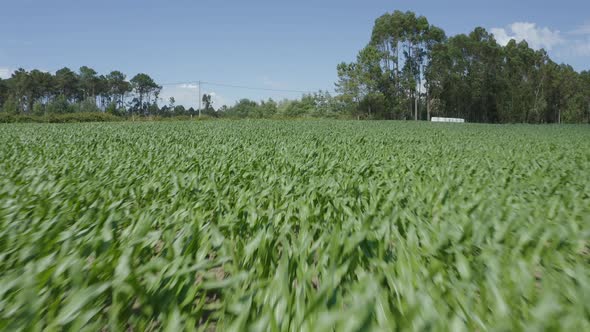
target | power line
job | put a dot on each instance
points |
(236, 86)
(180, 83)
(227, 85)
(198, 84)
(255, 88)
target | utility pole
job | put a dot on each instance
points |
(199, 99)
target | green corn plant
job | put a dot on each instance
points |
(294, 226)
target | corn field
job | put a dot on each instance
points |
(294, 226)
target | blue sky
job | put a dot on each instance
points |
(292, 45)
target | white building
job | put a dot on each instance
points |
(439, 119)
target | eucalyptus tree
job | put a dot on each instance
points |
(147, 91)
(539, 85)
(3, 92)
(348, 84)
(373, 83)
(564, 98)
(118, 87)
(89, 82)
(409, 65)
(67, 84)
(585, 90)
(20, 83)
(434, 38)
(524, 75)
(465, 78)
(208, 105)
(392, 69)
(42, 86)
(103, 94)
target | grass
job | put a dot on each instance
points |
(294, 226)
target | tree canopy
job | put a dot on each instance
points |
(410, 69)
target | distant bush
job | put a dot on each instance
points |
(113, 109)
(171, 118)
(92, 117)
(60, 105)
(107, 117)
(87, 106)
(83, 117)
(14, 118)
(38, 108)
(10, 106)
(59, 118)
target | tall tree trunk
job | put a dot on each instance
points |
(415, 107)
(397, 68)
(536, 102)
(427, 106)
(398, 90)
(419, 91)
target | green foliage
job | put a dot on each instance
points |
(89, 82)
(386, 80)
(294, 226)
(68, 91)
(243, 108)
(38, 108)
(411, 70)
(320, 104)
(147, 91)
(67, 84)
(208, 109)
(60, 105)
(88, 105)
(117, 87)
(59, 118)
(10, 106)
(179, 110)
(113, 109)
(298, 108)
(3, 92)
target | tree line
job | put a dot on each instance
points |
(37, 92)
(40, 93)
(409, 69)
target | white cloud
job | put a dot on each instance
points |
(189, 86)
(5, 72)
(501, 36)
(218, 100)
(537, 37)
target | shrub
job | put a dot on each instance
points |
(59, 118)
(10, 106)
(59, 105)
(88, 105)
